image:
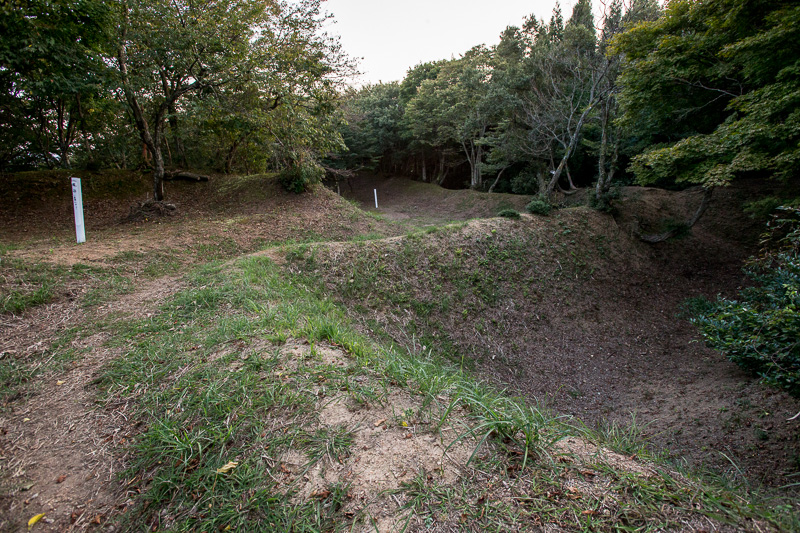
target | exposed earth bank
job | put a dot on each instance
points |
(586, 317)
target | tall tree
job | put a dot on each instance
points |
(372, 133)
(169, 50)
(456, 108)
(565, 82)
(51, 67)
(713, 90)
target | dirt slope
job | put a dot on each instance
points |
(574, 310)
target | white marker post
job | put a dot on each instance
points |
(376, 197)
(77, 205)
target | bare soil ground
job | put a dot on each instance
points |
(613, 348)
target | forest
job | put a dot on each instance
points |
(686, 93)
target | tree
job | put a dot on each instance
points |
(51, 69)
(565, 82)
(372, 133)
(456, 108)
(168, 51)
(615, 21)
(712, 90)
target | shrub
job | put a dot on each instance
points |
(525, 183)
(760, 331)
(605, 203)
(539, 207)
(508, 213)
(300, 176)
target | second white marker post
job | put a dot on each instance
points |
(77, 206)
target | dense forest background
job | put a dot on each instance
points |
(690, 92)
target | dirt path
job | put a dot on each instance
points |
(60, 445)
(419, 204)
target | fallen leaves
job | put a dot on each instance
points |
(34, 519)
(227, 468)
(61, 478)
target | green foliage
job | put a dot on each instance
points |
(760, 331)
(526, 182)
(222, 84)
(538, 206)
(372, 133)
(508, 213)
(299, 177)
(712, 91)
(762, 208)
(52, 78)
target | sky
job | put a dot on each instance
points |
(388, 38)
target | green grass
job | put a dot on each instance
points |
(208, 382)
(24, 285)
(203, 410)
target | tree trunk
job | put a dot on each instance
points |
(497, 178)
(176, 138)
(229, 158)
(158, 170)
(478, 170)
(661, 237)
(605, 172)
(569, 179)
(84, 134)
(474, 155)
(573, 142)
(65, 134)
(152, 141)
(601, 160)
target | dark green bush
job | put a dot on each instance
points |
(300, 176)
(761, 330)
(508, 213)
(605, 203)
(539, 207)
(525, 183)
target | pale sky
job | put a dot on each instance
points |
(388, 38)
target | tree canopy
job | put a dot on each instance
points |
(252, 83)
(711, 90)
(520, 112)
(699, 93)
